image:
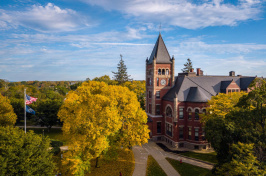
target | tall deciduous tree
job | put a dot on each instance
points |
(187, 66)
(97, 117)
(24, 153)
(231, 122)
(121, 75)
(7, 115)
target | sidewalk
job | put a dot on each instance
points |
(141, 154)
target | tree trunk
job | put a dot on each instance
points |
(96, 165)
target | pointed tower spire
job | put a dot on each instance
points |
(160, 52)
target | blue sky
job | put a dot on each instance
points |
(78, 39)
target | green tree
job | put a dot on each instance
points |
(121, 75)
(105, 79)
(98, 117)
(243, 162)
(7, 115)
(243, 121)
(24, 154)
(46, 112)
(187, 66)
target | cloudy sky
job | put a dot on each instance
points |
(79, 39)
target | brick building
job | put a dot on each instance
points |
(173, 103)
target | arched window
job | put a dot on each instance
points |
(204, 111)
(167, 72)
(159, 72)
(163, 71)
(168, 112)
(189, 114)
(196, 114)
(150, 72)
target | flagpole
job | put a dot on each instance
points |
(25, 108)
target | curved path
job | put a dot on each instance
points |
(141, 154)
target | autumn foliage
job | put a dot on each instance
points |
(98, 117)
(7, 115)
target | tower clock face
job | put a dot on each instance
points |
(163, 82)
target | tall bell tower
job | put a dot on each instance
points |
(159, 78)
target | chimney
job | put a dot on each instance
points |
(198, 71)
(201, 73)
(192, 70)
(231, 73)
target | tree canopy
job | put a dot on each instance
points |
(187, 66)
(7, 115)
(24, 153)
(121, 75)
(98, 117)
(235, 126)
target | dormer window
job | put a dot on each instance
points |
(159, 72)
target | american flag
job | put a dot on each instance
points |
(30, 99)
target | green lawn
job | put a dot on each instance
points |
(54, 133)
(125, 164)
(153, 168)
(185, 169)
(209, 157)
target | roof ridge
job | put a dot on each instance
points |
(200, 86)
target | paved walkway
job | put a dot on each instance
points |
(141, 154)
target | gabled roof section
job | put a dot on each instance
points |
(224, 85)
(196, 95)
(160, 52)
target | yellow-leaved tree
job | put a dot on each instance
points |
(221, 104)
(97, 117)
(7, 115)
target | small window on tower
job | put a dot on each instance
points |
(168, 112)
(158, 107)
(163, 72)
(168, 81)
(150, 95)
(167, 72)
(189, 114)
(157, 81)
(159, 72)
(157, 94)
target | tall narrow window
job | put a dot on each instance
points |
(181, 132)
(150, 108)
(189, 114)
(158, 107)
(163, 71)
(169, 82)
(204, 111)
(196, 114)
(167, 72)
(150, 95)
(157, 94)
(157, 81)
(189, 132)
(196, 134)
(159, 127)
(203, 134)
(159, 72)
(169, 129)
(181, 113)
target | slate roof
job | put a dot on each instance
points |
(202, 88)
(160, 52)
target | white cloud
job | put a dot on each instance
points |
(184, 13)
(49, 18)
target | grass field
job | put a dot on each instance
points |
(124, 164)
(209, 157)
(153, 168)
(54, 133)
(185, 169)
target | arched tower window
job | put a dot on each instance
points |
(168, 112)
(167, 72)
(159, 71)
(196, 114)
(163, 71)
